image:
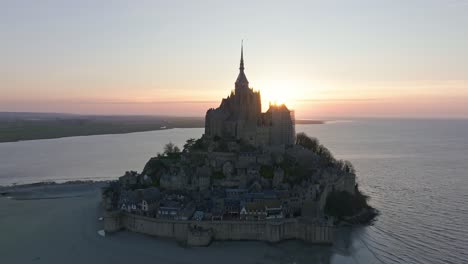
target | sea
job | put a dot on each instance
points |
(415, 172)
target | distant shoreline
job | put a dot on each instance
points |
(88, 134)
(52, 183)
(310, 122)
(15, 127)
(49, 190)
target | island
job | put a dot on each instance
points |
(249, 177)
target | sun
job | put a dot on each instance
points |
(276, 92)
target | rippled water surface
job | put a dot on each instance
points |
(415, 171)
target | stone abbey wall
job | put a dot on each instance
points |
(201, 233)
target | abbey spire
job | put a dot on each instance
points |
(241, 68)
(242, 81)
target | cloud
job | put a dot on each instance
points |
(307, 100)
(158, 102)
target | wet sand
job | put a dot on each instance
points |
(59, 224)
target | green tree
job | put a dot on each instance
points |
(170, 148)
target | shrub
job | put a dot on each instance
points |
(307, 142)
(222, 146)
(194, 144)
(170, 148)
(266, 172)
(217, 175)
(342, 204)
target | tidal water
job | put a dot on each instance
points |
(415, 171)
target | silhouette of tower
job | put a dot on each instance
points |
(242, 83)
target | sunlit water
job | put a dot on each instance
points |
(415, 171)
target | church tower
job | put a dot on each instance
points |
(241, 83)
(239, 117)
(247, 102)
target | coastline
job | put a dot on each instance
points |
(90, 134)
(15, 127)
(129, 131)
(32, 126)
(50, 190)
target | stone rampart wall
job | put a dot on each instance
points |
(183, 231)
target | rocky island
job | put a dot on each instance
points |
(249, 177)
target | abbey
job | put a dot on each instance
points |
(240, 117)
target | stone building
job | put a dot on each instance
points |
(240, 117)
(129, 179)
(175, 178)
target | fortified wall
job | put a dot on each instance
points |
(201, 233)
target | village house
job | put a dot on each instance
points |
(128, 202)
(169, 209)
(274, 209)
(186, 212)
(253, 211)
(261, 210)
(232, 207)
(202, 178)
(150, 198)
(217, 214)
(236, 193)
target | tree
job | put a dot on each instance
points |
(340, 164)
(170, 148)
(266, 172)
(342, 203)
(189, 144)
(307, 142)
(325, 155)
(222, 146)
(194, 144)
(154, 167)
(312, 144)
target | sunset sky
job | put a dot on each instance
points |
(322, 58)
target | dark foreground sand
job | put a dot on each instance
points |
(59, 224)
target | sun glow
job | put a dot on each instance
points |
(278, 92)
